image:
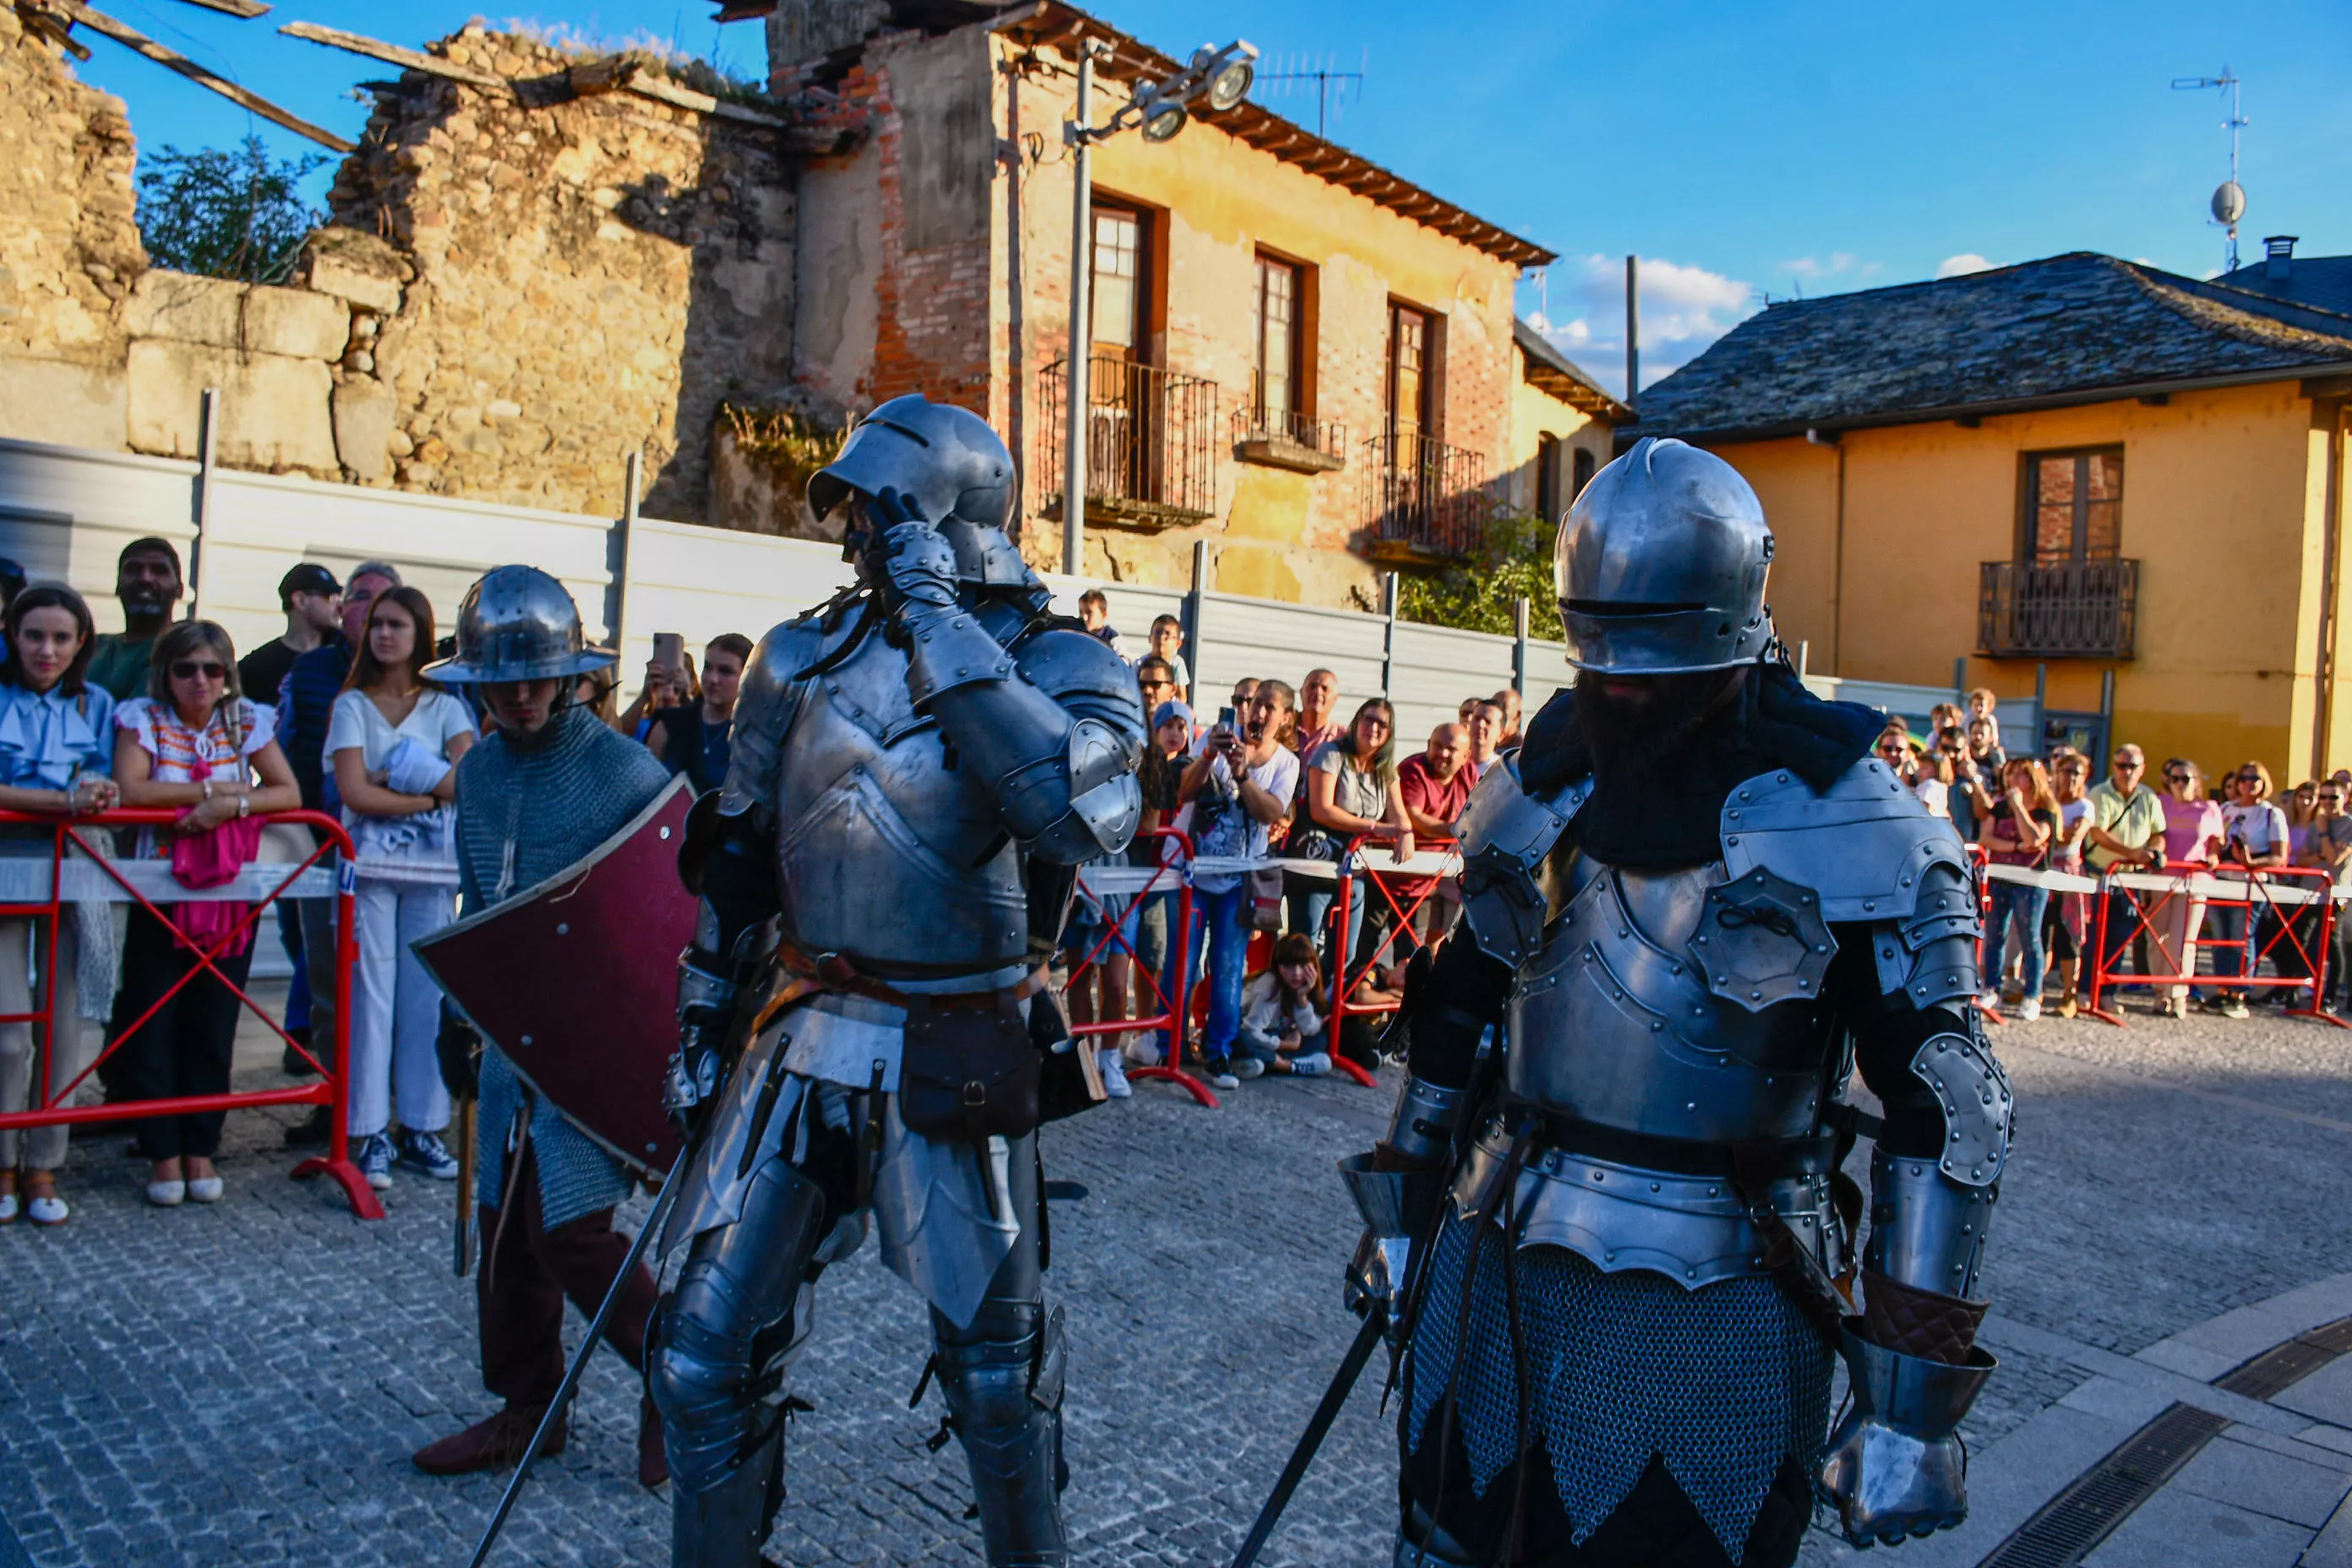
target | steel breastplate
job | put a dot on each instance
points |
(885, 851)
(1681, 1005)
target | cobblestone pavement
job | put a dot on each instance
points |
(245, 1383)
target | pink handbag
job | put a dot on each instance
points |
(208, 860)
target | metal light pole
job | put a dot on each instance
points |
(1218, 77)
(1076, 382)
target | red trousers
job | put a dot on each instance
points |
(526, 1272)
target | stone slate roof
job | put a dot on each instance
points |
(1556, 373)
(2080, 327)
(2323, 282)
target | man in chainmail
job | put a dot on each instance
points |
(1610, 1225)
(548, 784)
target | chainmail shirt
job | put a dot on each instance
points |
(1723, 1383)
(523, 815)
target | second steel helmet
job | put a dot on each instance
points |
(518, 624)
(1660, 565)
(945, 459)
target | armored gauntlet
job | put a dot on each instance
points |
(1894, 1465)
(705, 1011)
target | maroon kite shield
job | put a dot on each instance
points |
(576, 980)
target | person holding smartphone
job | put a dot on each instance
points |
(1238, 787)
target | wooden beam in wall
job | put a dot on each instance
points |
(393, 54)
(245, 8)
(139, 43)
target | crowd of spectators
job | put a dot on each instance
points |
(2182, 942)
(337, 715)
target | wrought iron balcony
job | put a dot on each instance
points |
(1151, 448)
(2071, 609)
(1283, 439)
(1424, 500)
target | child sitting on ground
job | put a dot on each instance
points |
(1278, 1017)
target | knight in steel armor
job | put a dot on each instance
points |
(1609, 1222)
(918, 768)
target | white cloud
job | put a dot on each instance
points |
(1684, 310)
(1964, 262)
(1813, 269)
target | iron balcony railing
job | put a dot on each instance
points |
(1152, 455)
(2071, 609)
(1287, 438)
(1423, 497)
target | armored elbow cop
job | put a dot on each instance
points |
(1059, 729)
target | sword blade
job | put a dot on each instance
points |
(570, 1384)
(465, 1242)
(1352, 1367)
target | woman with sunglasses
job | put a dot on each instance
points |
(2256, 836)
(394, 743)
(56, 751)
(194, 744)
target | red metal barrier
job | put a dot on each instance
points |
(1987, 984)
(1343, 979)
(2258, 896)
(330, 1088)
(1178, 875)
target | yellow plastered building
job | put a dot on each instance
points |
(2124, 485)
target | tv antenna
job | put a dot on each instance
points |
(1333, 87)
(2228, 203)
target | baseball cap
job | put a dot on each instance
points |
(309, 577)
(1171, 709)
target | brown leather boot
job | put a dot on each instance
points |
(496, 1444)
(653, 1463)
(2069, 972)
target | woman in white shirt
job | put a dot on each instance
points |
(393, 742)
(194, 744)
(2257, 834)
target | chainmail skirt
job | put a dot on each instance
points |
(1724, 1385)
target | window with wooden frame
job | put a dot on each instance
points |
(1548, 504)
(1412, 388)
(2070, 506)
(1121, 283)
(1277, 319)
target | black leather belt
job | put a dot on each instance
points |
(1808, 1156)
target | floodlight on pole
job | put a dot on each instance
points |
(1219, 78)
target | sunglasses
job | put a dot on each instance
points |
(2176, 778)
(189, 668)
(2123, 767)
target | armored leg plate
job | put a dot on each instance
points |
(726, 1336)
(1002, 1382)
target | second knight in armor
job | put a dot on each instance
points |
(1695, 908)
(916, 768)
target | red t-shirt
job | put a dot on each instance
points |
(1424, 792)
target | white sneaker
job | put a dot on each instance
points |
(204, 1189)
(1143, 1051)
(9, 1208)
(48, 1210)
(1114, 1076)
(2029, 1007)
(167, 1195)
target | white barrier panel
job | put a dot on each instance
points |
(2200, 884)
(24, 880)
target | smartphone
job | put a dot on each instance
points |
(669, 652)
(1225, 719)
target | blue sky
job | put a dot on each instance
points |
(1739, 149)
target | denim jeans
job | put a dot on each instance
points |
(1228, 964)
(2028, 905)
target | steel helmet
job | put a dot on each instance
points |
(1660, 565)
(518, 624)
(945, 459)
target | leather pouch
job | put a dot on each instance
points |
(969, 1074)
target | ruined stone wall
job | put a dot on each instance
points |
(70, 246)
(592, 277)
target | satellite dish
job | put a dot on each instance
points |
(2229, 202)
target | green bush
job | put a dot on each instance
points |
(1513, 562)
(221, 213)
